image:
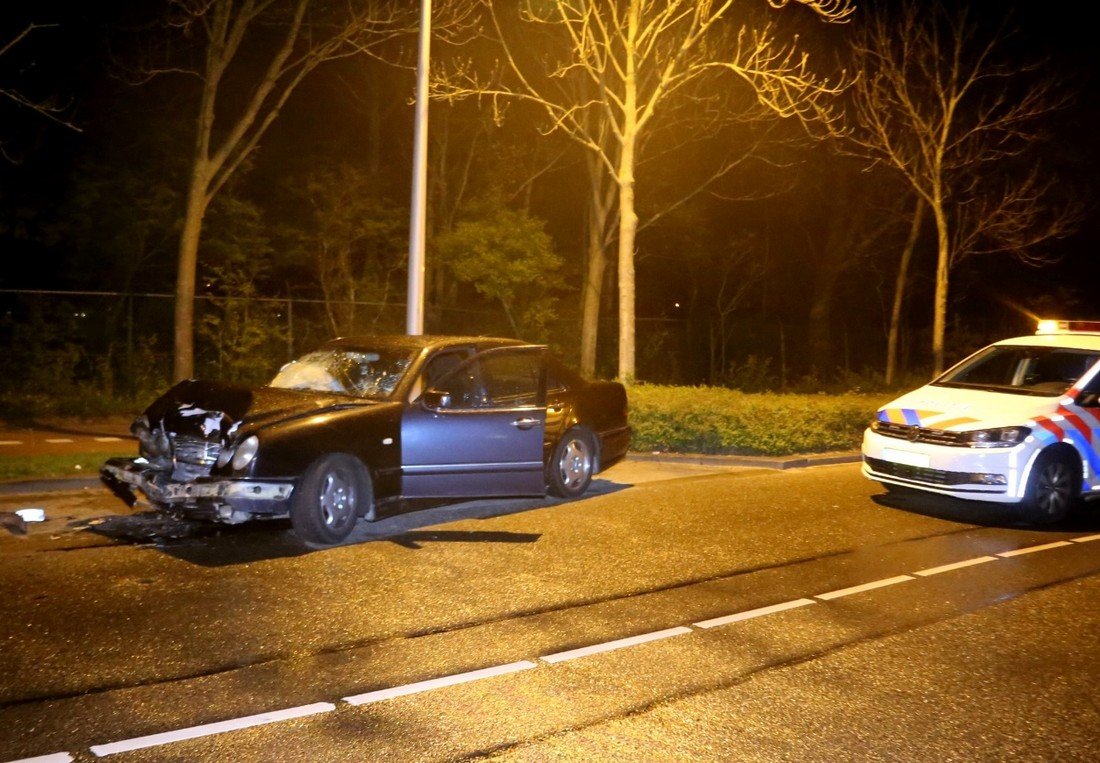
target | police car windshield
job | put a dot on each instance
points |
(1037, 371)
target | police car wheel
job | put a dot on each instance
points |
(1051, 489)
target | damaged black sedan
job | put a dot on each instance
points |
(363, 422)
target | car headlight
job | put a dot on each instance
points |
(245, 452)
(998, 437)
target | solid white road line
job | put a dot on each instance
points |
(56, 440)
(609, 646)
(436, 683)
(1033, 549)
(154, 740)
(751, 613)
(1085, 539)
(57, 757)
(956, 565)
(865, 587)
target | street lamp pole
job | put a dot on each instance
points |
(414, 311)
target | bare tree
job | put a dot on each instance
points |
(48, 108)
(634, 59)
(262, 49)
(935, 103)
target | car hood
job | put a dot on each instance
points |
(217, 410)
(961, 410)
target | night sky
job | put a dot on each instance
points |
(358, 113)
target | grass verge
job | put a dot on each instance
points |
(717, 420)
(45, 467)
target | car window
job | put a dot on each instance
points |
(559, 377)
(496, 380)
(438, 367)
(1045, 371)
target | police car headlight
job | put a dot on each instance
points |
(998, 437)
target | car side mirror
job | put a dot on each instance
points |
(436, 398)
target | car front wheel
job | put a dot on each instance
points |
(332, 494)
(1051, 489)
(572, 464)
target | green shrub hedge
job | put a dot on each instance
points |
(720, 420)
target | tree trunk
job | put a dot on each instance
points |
(943, 267)
(183, 366)
(591, 296)
(899, 293)
(628, 216)
(628, 227)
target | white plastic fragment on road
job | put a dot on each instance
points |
(437, 683)
(32, 515)
(209, 729)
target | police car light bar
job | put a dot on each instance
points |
(1065, 327)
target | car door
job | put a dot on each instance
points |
(480, 432)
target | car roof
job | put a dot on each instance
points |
(416, 342)
(1069, 340)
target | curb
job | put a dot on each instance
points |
(760, 462)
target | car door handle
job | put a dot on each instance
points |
(525, 423)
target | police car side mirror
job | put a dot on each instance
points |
(1089, 400)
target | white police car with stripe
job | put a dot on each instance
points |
(1016, 422)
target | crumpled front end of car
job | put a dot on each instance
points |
(185, 468)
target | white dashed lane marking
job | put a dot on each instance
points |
(1033, 549)
(57, 757)
(437, 683)
(194, 732)
(955, 566)
(154, 740)
(610, 646)
(750, 614)
(865, 587)
(58, 440)
(108, 439)
(11, 442)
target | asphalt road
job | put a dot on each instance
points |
(743, 615)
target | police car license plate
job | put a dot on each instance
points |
(906, 457)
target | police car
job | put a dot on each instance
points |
(1017, 422)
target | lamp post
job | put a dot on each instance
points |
(414, 310)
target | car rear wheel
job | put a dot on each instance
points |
(1052, 489)
(572, 464)
(334, 492)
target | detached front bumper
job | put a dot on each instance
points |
(225, 500)
(993, 474)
